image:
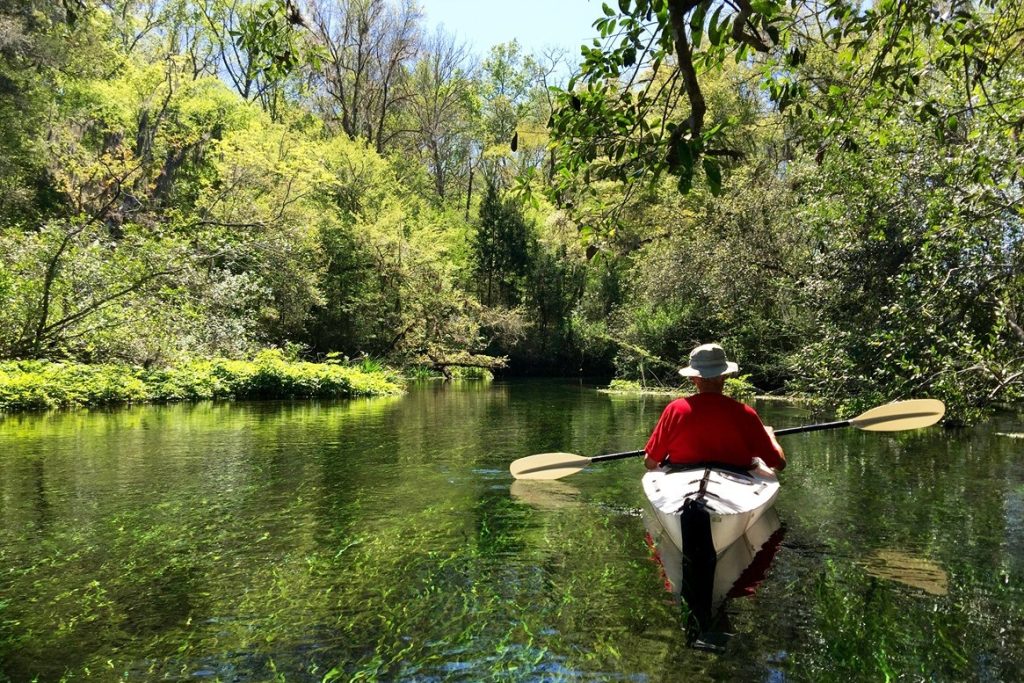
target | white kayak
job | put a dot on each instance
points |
(713, 506)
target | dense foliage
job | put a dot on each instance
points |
(833, 193)
(32, 384)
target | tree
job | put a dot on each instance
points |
(369, 45)
(639, 110)
(258, 45)
(514, 106)
(42, 44)
(502, 248)
(442, 111)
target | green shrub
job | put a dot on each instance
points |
(37, 385)
(740, 388)
(471, 373)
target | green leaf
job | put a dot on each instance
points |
(685, 183)
(765, 8)
(608, 11)
(680, 157)
(697, 19)
(715, 33)
(713, 171)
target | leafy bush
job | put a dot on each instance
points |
(629, 386)
(739, 388)
(472, 373)
(35, 385)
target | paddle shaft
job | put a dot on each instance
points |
(778, 432)
(617, 456)
(813, 428)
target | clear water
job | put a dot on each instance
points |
(383, 539)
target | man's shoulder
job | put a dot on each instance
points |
(681, 404)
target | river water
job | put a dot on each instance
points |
(383, 539)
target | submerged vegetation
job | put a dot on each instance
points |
(380, 540)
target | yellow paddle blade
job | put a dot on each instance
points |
(894, 417)
(548, 466)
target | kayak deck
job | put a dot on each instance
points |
(734, 500)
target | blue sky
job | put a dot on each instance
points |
(534, 23)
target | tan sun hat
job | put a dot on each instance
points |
(708, 361)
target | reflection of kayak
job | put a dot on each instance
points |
(736, 572)
(707, 507)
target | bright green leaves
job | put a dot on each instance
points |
(697, 22)
(880, 55)
(716, 31)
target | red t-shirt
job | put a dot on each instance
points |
(711, 428)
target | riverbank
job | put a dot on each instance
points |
(739, 388)
(40, 385)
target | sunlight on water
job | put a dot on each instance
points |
(383, 539)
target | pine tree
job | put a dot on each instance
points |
(503, 250)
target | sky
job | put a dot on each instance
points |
(536, 24)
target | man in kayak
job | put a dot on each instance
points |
(710, 427)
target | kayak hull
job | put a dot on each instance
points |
(733, 500)
(729, 567)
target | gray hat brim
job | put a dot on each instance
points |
(710, 372)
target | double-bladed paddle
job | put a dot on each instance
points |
(892, 417)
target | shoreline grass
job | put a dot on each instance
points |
(41, 385)
(739, 388)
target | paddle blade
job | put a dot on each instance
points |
(548, 466)
(894, 417)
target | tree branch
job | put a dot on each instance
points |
(677, 10)
(738, 34)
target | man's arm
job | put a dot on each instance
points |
(656, 450)
(761, 440)
(781, 465)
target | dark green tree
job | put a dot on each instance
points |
(502, 247)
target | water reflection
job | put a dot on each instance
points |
(917, 572)
(380, 540)
(738, 571)
(546, 495)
